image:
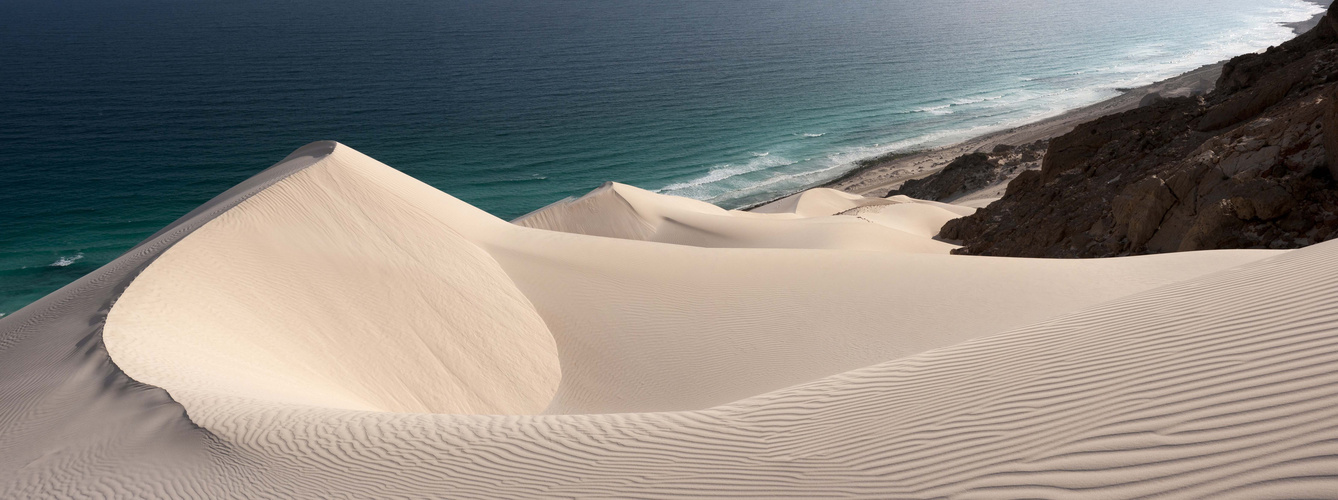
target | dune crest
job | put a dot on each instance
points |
(334, 288)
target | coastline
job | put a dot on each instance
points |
(1304, 26)
(877, 177)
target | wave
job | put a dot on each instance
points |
(64, 261)
(725, 172)
(936, 110)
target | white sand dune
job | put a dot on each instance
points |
(818, 218)
(331, 290)
(337, 329)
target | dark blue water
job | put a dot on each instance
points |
(117, 116)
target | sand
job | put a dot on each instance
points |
(817, 218)
(334, 288)
(334, 328)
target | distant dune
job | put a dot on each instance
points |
(335, 328)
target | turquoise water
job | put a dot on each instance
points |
(118, 116)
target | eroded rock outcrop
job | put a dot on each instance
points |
(1251, 165)
(974, 172)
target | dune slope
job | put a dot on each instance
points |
(310, 332)
(331, 288)
(1220, 387)
(351, 285)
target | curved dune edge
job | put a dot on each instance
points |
(334, 288)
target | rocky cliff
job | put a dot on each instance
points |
(1250, 165)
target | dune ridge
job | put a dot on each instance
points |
(682, 369)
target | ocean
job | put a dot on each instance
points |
(118, 116)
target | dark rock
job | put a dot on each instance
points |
(1330, 126)
(1149, 99)
(967, 173)
(976, 171)
(1250, 165)
(1265, 92)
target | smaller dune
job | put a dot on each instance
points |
(815, 219)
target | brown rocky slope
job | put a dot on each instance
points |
(1250, 165)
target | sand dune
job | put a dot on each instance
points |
(818, 218)
(258, 304)
(336, 328)
(332, 290)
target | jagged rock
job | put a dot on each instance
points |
(1140, 209)
(1143, 128)
(1264, 93)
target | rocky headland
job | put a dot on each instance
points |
(1250, 165)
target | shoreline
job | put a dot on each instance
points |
(1303, 26)
(876, 176)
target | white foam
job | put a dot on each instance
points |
(935, 110)
(65, 261)
(722, 172)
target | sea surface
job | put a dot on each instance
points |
(118, 116)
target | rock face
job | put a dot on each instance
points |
(975, 171)
(1251, 165)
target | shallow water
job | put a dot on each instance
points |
(118, 116)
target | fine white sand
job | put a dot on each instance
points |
(337, 329)
(335, 288)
